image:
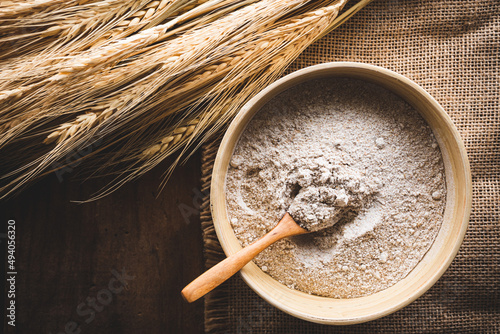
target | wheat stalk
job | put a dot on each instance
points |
(150, 15)
(57, 24)
(29, 96)
(299, 34)
(203, 90)
(60, 34)
(179, 134)
(126, 46)
(96, 60)
(181, 96)
(88, 28)
(175, 58)
(16, 9)
(76, 136)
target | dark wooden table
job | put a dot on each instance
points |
(116, 265)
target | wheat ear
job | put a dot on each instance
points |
(16, 9)
(152, 14)
(178, 135)
(282, 42)
(98, 58)
(56, 25)
(126, 46)
(28, 91)
(186, 133)
(64, 135)
(87, 28)
(175, 59)
(300, 36)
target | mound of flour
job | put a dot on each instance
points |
(323, 193)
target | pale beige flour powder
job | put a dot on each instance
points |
(334, 143)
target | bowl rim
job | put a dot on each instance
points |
(229, 142)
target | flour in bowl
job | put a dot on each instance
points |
(322, 194)
(351, 161)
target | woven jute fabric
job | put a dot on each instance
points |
(451, 49)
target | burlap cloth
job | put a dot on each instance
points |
(450, 48)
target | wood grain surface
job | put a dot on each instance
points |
(69, 256)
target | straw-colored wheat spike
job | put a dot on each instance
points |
(7, 125)
(136, 20)
(31, 47)
(153, 13)
(217, 114)
(283, 45)
(124, 47)
(31, 72)
(63, 33)
(176, 59)
(19, 92)
(300, 36)
(147, 12)
(9, 9)
(53, 27)
(100, 57)
(18, 72)
(84, 122)
(179, 134)
(69, 129)
(178, 97)
(67, 34)
(105, 109)
(183, 94)
(15, 93)
(208, 74)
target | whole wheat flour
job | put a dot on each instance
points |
(345, 155)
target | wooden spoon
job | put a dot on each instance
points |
(219, 273)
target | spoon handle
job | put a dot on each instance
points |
(219, 273)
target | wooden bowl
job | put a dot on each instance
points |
(458, 204)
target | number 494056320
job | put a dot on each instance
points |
(11, 245)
